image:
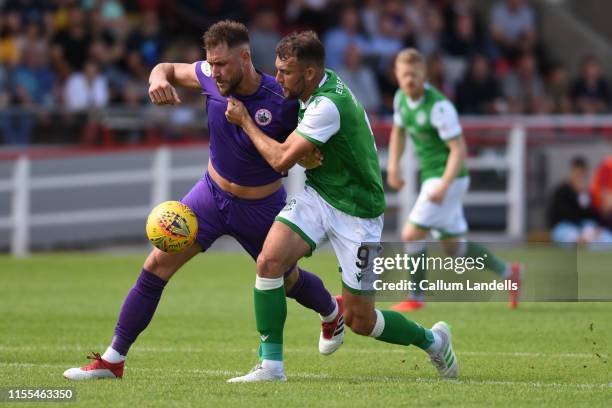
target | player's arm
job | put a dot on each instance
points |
(445, 119)
(321, 121)
(165, 76)
(397, 144)
(280, 156)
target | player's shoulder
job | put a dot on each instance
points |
(272, 89)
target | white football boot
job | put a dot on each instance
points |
(259, 374)
(445, 359)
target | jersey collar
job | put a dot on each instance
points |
(415, 104)
(303, 105)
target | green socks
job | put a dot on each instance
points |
(491, 261)
(270, 316)
(392, 327)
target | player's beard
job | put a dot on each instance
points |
(297, 91)
(232, 83)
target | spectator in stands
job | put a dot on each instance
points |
(86, 90)
(264, 35)
(32, 89)
(339, 38)
(524, 88)
(360, 79)
(429, 37)
(463, 41)
(601, 188)
(453, 9)
(436, 76)
(146, 44)
(557, 90)
(513, 27)
(479, 92)
(308, 14)
(591, 91)
(386, 43)
(70, 46)
(417, 10)
(570, 215)
(10, 26)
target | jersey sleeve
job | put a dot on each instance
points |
(397, 116)
(320, 122)
(203, 72)
(445, 119)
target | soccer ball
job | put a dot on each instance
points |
(172, 226)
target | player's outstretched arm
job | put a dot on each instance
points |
(280, 156)
(397, 144)
(165, 76)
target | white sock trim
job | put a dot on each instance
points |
(274, 365)
(330, 317)
(269, 283)
(379, 326)
(112, 356)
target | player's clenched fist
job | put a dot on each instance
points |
(162, 92)
(236, 112)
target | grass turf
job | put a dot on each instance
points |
(54, 309)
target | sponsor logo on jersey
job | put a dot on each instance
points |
(263, 117)
(421, 118)
(205, 68)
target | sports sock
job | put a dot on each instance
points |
(491, 262)
(310, 292)
(137, 310)
(417, 250)
(270, 314)
(112, 356)
(392, 327)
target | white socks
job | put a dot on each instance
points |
(273, 365)
(332, 315)
(436, 345)
(112, 356)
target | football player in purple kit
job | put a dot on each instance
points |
(239, 194)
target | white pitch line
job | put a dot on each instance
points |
(389, 379)
(80, 348)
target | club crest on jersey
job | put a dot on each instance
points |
(263, 117)
(205, 68)
(421, 118)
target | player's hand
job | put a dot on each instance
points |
(395, 180)
(236, 112)
(162, 92)
(312, 160)
(437, 194)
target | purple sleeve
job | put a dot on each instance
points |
(202, 78)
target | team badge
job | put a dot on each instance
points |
(205, 68)
(263, 117)
(421, 118)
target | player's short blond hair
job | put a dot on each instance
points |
(411, 56)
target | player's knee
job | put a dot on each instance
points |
(158, 264)
(269, 265)
(360, 323)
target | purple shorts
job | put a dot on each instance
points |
(221, 213)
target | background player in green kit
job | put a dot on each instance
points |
(343, 201)
(432, 122)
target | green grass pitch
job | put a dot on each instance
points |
(54, 309)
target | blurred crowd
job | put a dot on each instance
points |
(579, 211)
(78, 56)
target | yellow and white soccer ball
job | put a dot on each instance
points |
(172, 226)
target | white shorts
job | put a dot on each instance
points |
(315, 220)
(445, 219)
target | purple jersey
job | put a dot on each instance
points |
(232, 153)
